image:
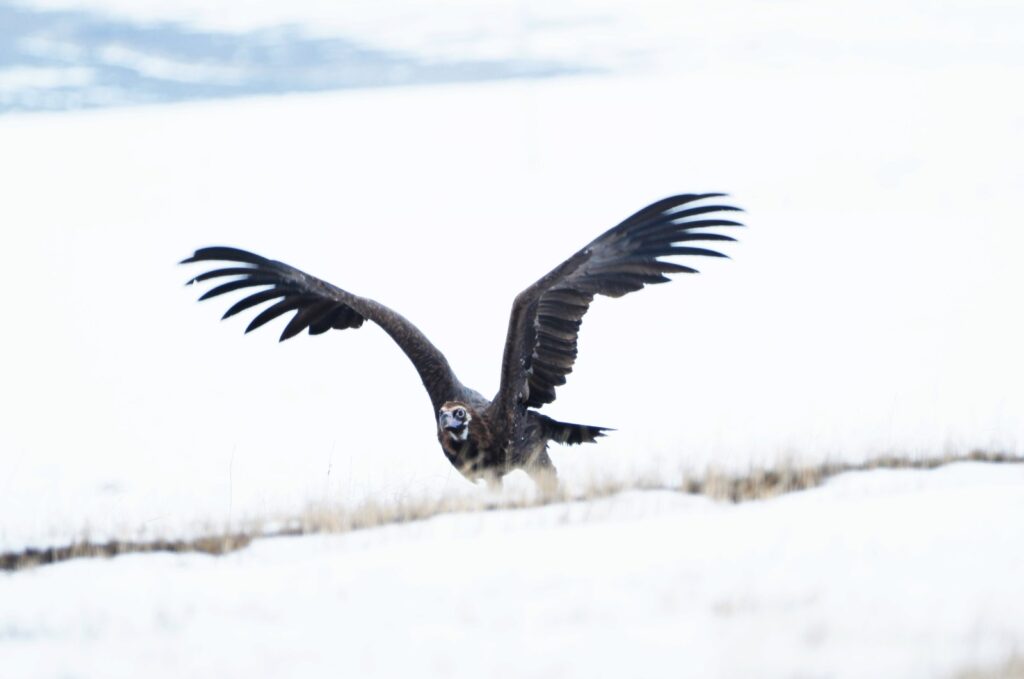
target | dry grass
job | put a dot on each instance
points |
(206, 544)
(757, 484)
(1011, 668)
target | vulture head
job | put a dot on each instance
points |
(453, 421)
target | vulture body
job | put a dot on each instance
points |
(487, 439)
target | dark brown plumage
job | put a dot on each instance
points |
(481, 438)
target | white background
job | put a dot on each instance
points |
(872, 306)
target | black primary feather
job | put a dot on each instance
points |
(544, 328)
(314, 310)
(318, 306)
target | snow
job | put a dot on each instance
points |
(885, 573)
(648, 34)
(867, 308)
(871, 307)
(16, 78)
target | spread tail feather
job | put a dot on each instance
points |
(571, 434)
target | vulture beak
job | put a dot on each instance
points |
(450, 424)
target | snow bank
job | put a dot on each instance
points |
(871, 306)
(883, 573)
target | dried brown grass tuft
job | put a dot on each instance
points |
(206, 544)
(757, 484)
(1011, 668)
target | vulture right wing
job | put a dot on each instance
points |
(540, 348)
(319, 307)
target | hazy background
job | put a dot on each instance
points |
(439, 159)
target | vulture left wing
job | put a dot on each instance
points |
(540, 347)
(319, 307)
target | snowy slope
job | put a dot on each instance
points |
(885, 573)
(869, 308)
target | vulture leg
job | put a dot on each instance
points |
(542, 470)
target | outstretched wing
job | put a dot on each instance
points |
(540, 348)
(319, 307)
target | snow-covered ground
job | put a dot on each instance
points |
(872, 306)
(880, 574)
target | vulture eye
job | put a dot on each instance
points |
(460, 413)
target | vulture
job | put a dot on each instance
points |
(486, 439)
